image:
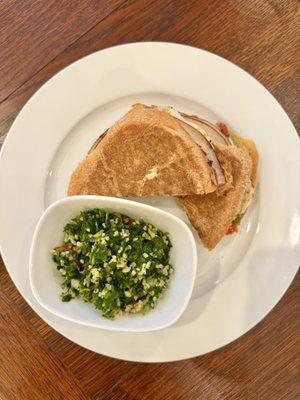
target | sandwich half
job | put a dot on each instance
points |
(149, 152)
(219, 213)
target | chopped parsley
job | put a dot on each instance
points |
(119, 264)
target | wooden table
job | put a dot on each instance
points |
(37, 39)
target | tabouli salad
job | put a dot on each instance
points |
(119, 264)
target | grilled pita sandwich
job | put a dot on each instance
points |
(217, 214)
(149, 152)
(160, 151)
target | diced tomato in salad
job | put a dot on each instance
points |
(61, 249)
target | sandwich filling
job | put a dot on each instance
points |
(248, 197)
(250, 187)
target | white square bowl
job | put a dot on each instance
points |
(45, 280)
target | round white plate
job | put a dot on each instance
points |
(245, 276)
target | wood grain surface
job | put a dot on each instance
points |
(37, 39)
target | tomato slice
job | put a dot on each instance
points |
(224, 129)
(232, 229)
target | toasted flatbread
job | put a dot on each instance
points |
(212, 214)
(145, 153)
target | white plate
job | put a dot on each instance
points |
(239, 282)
